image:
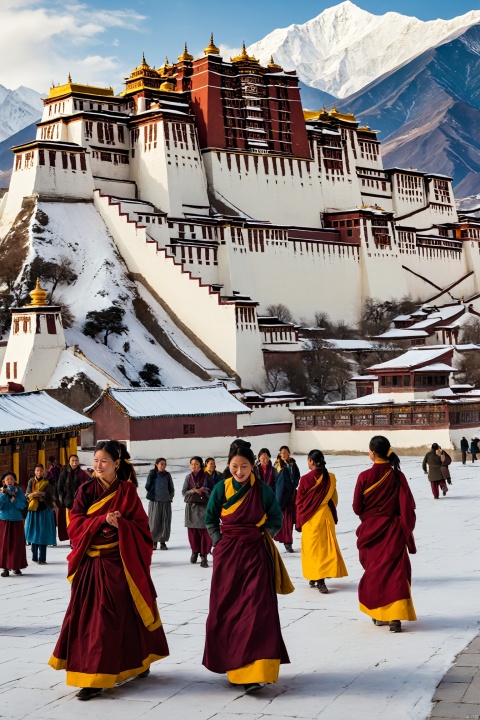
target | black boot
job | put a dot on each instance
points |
(288, 547)
(88, 693)
(322, 587)
(204, 562)
(163, 546)
(312, 583)
(193, 558)
(5, 573)
(395, 626)
(252, 687)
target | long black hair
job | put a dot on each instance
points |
(380, 445)
(318, 458)
(118, 451)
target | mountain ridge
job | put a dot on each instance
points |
(345, 48)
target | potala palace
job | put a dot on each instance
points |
(222, 196)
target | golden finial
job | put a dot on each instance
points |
(211, 48)
(69, 80)
(167, 87)
(39, 296)
(185, 56)
(243, 56)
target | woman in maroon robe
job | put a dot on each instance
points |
(265, 469)
(244, 638)
(112, 629)
(386, 508)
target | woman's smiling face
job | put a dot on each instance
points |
(240, 468)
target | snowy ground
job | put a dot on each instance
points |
(341, 665)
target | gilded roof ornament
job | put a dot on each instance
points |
(167, 86)
(185, 56)
(243, 57)
(211, 48)
(39, 296)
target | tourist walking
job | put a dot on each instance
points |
(266, 471)
(40, 528)
(474, 449)
(160, 492)
(316, 517)
(432, 466)
(13, 554)
(211, 469)
(446, 462)
(112, 629)
(196, 492)
(464, 449)
(70, 479)
(385, 505)
(285, 489)
(244, 638)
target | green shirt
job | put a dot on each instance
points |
(217, 499)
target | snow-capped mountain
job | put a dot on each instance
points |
(345, 48)
(428, 111)
(18, 108)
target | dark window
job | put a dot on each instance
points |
(406, 380)
(83, 162)
(51, 328)
(73, 161)
(14, 370)
(8, 371)
(189, 429)
(41, 156)
(64, 160)
(51, 155)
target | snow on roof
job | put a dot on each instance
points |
(37, 412)
(174, 402)
(438, 315)
(350, 344)
(402, 333)
(410, 359)
(402, 318)
(436, 367)
(356, 378)
(373, 399)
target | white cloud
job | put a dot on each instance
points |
(43, 40)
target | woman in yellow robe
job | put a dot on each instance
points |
(316, 502)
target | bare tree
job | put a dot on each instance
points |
(280, 311)
(471, 331)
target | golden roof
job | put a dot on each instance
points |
(39, 296)
(167, 86)
(349, 117)
(185, 56)
(273, 65)
(166, 66)
(77, 89)
(211, 48)
(316, 114)
(243, 57)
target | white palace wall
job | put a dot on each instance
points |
(265, 187)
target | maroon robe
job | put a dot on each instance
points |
(243, 624)
(13, 555)
(112, 628)
(385, 536)
(309, 497)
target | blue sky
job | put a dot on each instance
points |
(99, 41)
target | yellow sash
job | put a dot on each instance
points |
(38, 486)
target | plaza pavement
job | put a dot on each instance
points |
(341, 665)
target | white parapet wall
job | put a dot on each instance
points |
(356, 441)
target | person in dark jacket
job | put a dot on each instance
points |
(285, 490)
(464, 449)
(160, 492)
(70, 479)
(474, 448)
(432, 466)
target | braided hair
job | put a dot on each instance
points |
(318, 459)
(118, 451)
(380, 445)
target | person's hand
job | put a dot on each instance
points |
(112, 518)
(198, 491)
